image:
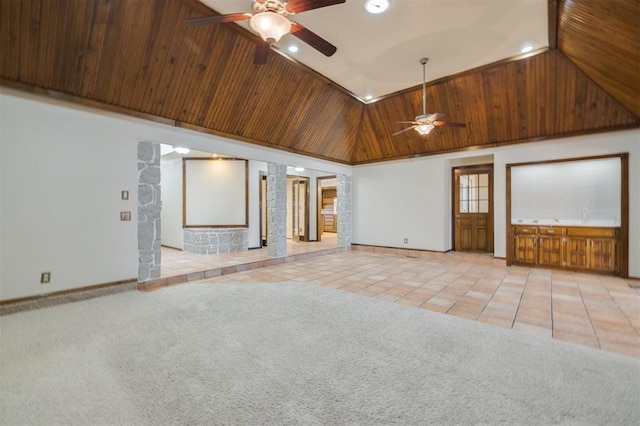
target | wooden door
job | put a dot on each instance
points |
(550, 249)
(473, 209)
(578, 252)
(602, 254)
(526, 249)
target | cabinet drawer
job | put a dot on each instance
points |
(550, 230)
(587, 231)
(528, 230)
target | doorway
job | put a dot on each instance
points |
(473, 208)
(327, 206)
(300, 209)
(263, 209)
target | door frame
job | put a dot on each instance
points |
(307, 180)
(319, 218)
(262, 203)
(480, 168)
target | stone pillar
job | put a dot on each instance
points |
(149, 251)
(344, 210)
(276, 210)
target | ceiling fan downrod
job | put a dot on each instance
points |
(424, 61)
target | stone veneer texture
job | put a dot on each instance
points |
(276, 210)
(149, 244)
(215, 240)
(344, 210)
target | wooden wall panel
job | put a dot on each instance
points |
(534, 98)
(602, 37)
(138, 58)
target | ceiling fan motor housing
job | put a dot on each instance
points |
(275, 6)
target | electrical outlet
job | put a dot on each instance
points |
(406, 241)
(45, 278)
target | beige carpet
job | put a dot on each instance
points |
(294, 354)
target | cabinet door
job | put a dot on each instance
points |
(602, 254)
(550, 250)
(578, 252)
(525, 249)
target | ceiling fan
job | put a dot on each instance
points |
(425, 123)
(269, 20)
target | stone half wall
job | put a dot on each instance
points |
(215, 240)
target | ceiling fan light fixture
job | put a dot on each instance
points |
(270, 26)
(424, 129)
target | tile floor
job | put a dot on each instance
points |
(177, 262)
(594, 310)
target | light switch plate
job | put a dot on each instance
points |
(124, 216)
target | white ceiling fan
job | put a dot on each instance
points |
(426, 122)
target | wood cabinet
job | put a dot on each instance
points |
(550, 246)
(592, 248)
(329, 195)
(571, 247)
(526, 244)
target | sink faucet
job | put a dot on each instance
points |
(584, 214)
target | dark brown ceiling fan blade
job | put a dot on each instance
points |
(220, 19)
(313, 39)
(449, 124)
(262, 52)
(297, 6)
(404, 130)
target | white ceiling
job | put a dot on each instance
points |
(380, 54)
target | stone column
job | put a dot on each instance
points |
(149, 251)
(344, 210)
(276, 210)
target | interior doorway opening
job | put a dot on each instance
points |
(262, 196)
(298, 208)
(327, 206)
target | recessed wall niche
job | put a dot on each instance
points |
(569, 214)
(215, 192)
(576, 192)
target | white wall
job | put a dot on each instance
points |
(171, 194)
(62, 176)
(255, 167)
(413, 197)
(62, 168)
(398, 200)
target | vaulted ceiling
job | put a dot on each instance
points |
(138, 58)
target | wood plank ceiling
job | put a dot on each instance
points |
(137, 58)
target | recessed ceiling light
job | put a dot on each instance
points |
(368, 97)
(181, 150)
(299, 169)
(528, 48)
(376, 6)
(293, 49)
